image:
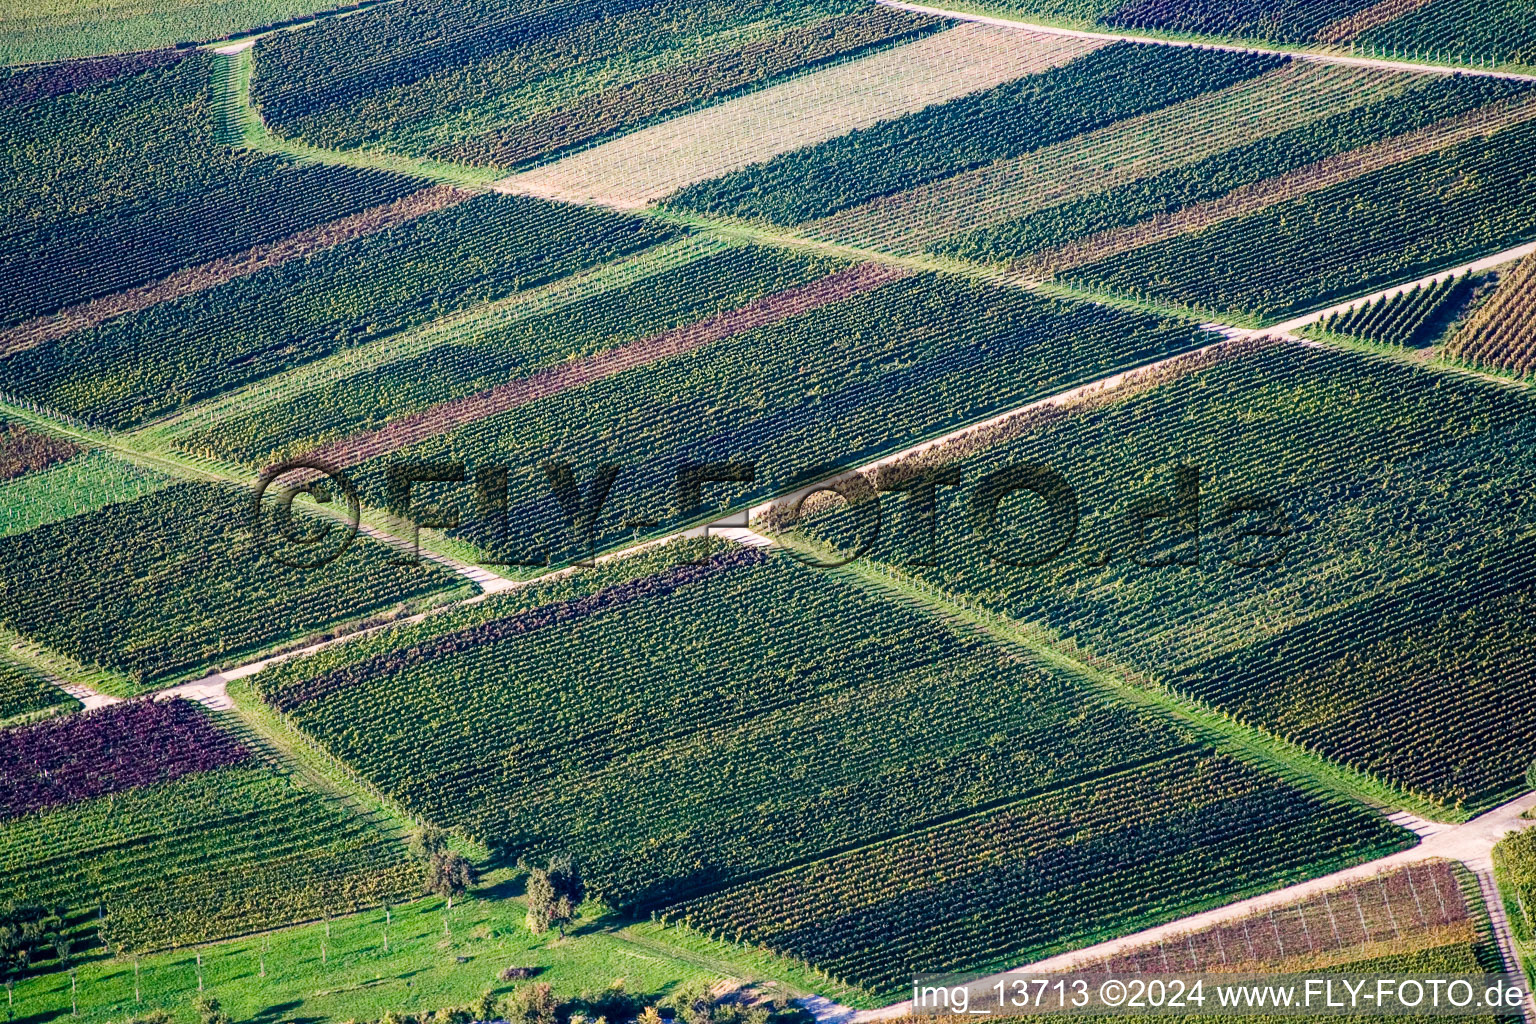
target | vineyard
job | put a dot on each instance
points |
(1396, 914)
(513, 82)
(152, 362)
(78, 28)
(1267, 264)
(1443, 31)
(22, 451)
(170, 582)
(137, 196)
(1501, 334)
(185, 836)
(78, 485)
(24, 692)
(882, 722)
(1184, 186)
(1040, 875)
(663, 810)
(1094, 90)
(508, 348)
(912, 356)
(1411, 319)
(845, 490)
(1364, 632)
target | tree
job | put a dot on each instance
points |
(531, 1004)
(449, 875)
(428, 841)
(554, 894)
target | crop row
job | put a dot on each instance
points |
(172, 581)
(1046, 873)
(426, 75)
(766, 713)
(1412, 906)
(206, 855)
(1222, 172)
(150, 362)
(1107, 85)
(1472, 30)
(25, 451)
(1406, 319)
(1478, 32)
(1501, 334)
(142, 191)
(593, 115)
(23, 691)
(505, 351)
(1345, 503)
(1292, 21)
(1307, 251)
(138, 743)
(22, 85)
(832, 387)
(1431, 678)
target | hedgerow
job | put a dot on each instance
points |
(211, 852)
(845, 718)
(832, 387)
(504, 351)
(1383, 629)
(1480, 194)
(1101, 87)
(172, 581)
(153, 361)
(1045, 873)
(1219, 174)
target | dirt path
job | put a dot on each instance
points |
(1113, 37)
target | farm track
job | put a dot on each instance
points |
(1118, 37)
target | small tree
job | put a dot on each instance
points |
(209, 1011)
(449, 875)
(428, 841)
(531, 1004)
(554, 894)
